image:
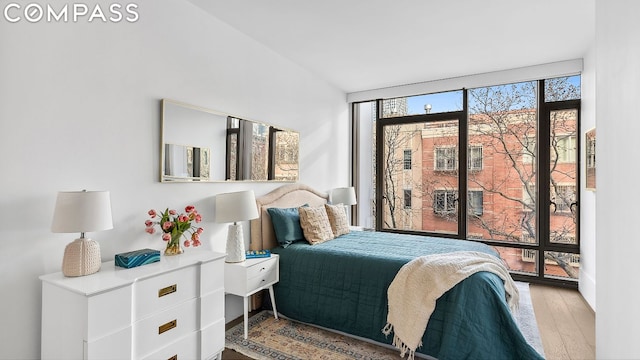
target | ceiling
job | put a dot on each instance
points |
(360, 45)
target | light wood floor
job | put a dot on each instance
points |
(565, 320)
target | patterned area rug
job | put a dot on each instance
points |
(287, 340)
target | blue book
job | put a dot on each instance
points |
(252, 254)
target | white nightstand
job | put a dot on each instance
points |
(250, 276)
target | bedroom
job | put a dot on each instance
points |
(80, 109)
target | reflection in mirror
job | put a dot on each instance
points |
(286, 155)
(205, 145)
(182, 162)
(258, 151)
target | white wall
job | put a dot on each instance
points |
(617, 129)
(587, 279)
(80, 109)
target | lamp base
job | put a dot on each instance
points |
(235, 244)
(81, 257)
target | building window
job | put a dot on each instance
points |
(445, 159)
(528, 149)
(475, 157)
(564, 196)
(444, 202)
(565, 148)
(475, 202)
(407, 198)
(407, 159)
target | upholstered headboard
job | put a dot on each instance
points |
(286, 196)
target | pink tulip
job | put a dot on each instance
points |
(187, 243)
(167, 225)
(189, 208)
(166, 236)
(150, 230)
(148, 223)
(200, 230)
(152, 213)
(198, 218)
(196, 243)
(183, 218)
(172, 212)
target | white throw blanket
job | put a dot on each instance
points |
(413, 292)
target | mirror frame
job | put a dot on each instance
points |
(226, 116)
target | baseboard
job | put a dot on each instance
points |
(587, 287)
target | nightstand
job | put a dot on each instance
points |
(250, 276)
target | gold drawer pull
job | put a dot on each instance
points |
(168, 326)
(168, 290)
(174, 357)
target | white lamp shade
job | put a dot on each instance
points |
(345, 195)
(82, 211)
(236, 206)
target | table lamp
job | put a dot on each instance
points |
(82, 211)
(345, 196)
(234, 207)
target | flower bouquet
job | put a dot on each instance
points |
(174, 226)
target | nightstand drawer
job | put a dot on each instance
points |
(261, 280)
(161, 292)
(247, 277)
(161, 329)
(261, 268)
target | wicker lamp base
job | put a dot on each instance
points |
(81, 257)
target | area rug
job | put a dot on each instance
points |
(287, 340)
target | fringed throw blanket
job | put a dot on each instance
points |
(413, 292)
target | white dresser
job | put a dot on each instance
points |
(172, 309)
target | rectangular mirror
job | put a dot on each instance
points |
(205, 145)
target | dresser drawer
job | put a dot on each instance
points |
(212, 339)
(184, 349)
(113, 346)
(212, 276)
(211, 308)
(161, 292)
(165, 327)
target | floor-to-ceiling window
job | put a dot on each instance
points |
(486, 144)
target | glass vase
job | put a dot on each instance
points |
(173, 246)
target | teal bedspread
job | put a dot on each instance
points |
(342, 285)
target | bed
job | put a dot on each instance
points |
(342, 284)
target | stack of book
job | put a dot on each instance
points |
(252, 254)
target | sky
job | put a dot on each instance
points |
(448, 101)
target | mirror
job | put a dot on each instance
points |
(205, 145)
